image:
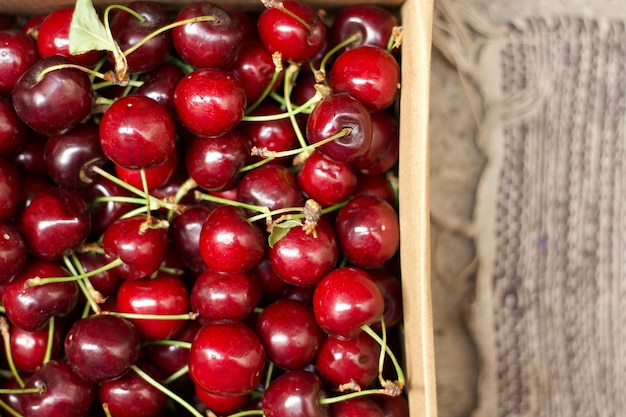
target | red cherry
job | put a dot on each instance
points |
(10, 190)
(255, 69)
(372, 23)
(13, 253)
(274, 186)
(19, 53)
(383, 152)
(377, 186)
(356, 407)
(171, 358)
(160, 84)
(325, 180)
(185, 233)
(274, 135)
(346, 299)
(221, 404)
(13, 131)
(295, 394)
(156, 176)
(222, 367)
(28, 348)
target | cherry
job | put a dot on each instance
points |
(63, 393)
(255, 68)
(210, 102)
(137, 132)
(104, 213)
(102, 347)
(19, 53)
(325, 180)
(229, 243)
(205, 44)
(32, 186)
(373, 24)
(55, 223)
(356, 407)
(137, 242)
(292, 28)
(29, 158)
(13, 253)
(13, 132)
(368, 73)
(214, 163)
(185, 233)
(295, 394)
(342, 361)
(128, 30)
(271, 284)
(30, 306)
(221, 404)
(13, 400)
(333, 114)
(222, 367)
(28, 348)
(392, 406)
(170, 358)
(106, 282)
(10, 190)
(346, 299)
(289, 333)
(273, 186)
(368, 231)
(53, 38)
(383, 152)
(377, 186)
(391, 289)
(164, 294)
(225, 296)
(303, 258)
(54, 102)
(32, 24)
(156, 176)
(274, 135)
(160, 84)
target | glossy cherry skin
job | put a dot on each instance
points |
(165, 294)
(368, 230)
(29, 158)
(65, 155)
(391, 289)
(53, 38)
(330, 116)
(137, 132)
(29, 348)
(56, 223)
(131, 395)
(13, 252)
(255, 69)
(58, 102)
(289, 333)
(160, 84)
(275, 135)
(13, 131)
(326, 180)
(340, 361)
(226, 358)
(30, 307)
(208, 44)
(102, 347)
(19, 53)
(356, 407)
(127, 31)
(171, 358)
(372, 23)
(295, 394)
(302, 258)
(284, 33)
(377, 186)
(214, 163)
(271, 185)
(106, 283)
(10, 190)
(383, 152)
(368, 73)
(346, 299)
(156, 176)
(142, 251)
(64, 393)
(210, 102)
(185, 233)
(221, 404)
(229, 243)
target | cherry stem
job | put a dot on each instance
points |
(274, 213)
(278, 69)
(268, 376)
(48, 353)
(144, 183)
(127, 10)
(34, 390)
(93, 296)
(51, 68)
(103, 84)
(167, 342)
(143, 316)
(176, 375)
(270, 4)
(182, 191)
(6, 407)
(269, 117)
(166, 391)
(225, 201)
(32, 282)
(401, 379)
(247, 413)
(332, 52)
(6, 338)
(381, 359)
(354, 394)
(290, 76)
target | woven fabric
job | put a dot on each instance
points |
(550, 221)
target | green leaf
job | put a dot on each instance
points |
(87, 32)
(279, 230)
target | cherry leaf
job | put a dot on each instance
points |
(279, 230)
(87, 32)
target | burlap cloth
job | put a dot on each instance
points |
(529, 246)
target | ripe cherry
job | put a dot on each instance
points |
(295, 394)
(185, 234)
(356, 407)
(221, 404)
(19, 53)
(160, 84)
(13, 253)
(10, 190)
(156, 176)
(383, 152)
(29, 348)
(326, 180)
(13, 131)
(255, 69)
(271, 185)
(372, 23)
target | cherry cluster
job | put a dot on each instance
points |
(198, 212)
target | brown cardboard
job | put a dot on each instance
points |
(417, 17)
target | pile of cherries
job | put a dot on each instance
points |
(198, 212)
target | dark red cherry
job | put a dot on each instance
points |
(106, 283)
(340, 361)
(383, 152)
(32, 24)
(128, 30)
(30, 307)
(346, 299)
(210, 102)
(53, 38)
(377, 186)
(255, 69)
(221, 404)
(56, 223)
(356, 407)
(289, 333)
(368, 230)
(214, 163)
(13, 131)
(391, 289)
(333, 114)
(171, 357)
(295, 394)
(368, 73)
(185, 233)
(271, 284)
(138, 244)
(160, 84)
(13, 252)
(28, 348)
(298, 34)
(326, 180)
(392, 406)
(63, 393)
(271, 185)
(32, 186)
(303, 258)
(56, 102)
(372, 23)
(29, 158)
(164, 294)
(214, 43)
(104, 212)
(10, 190)
(102, 347)
(217, 296)
(137, 132)
(274, 135)
(229, 242)
(19, 53)
(156, 176)
(220, 365)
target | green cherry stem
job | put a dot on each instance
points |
(51, 68)
(48, 354)
(278, 69)
(143, 316)
(290, 76)
(355, 394)
(167, 342)
(6, 338)
(219, 200)
(176, 375)
(6, 407)
(269, 117)
(322, 69)
(245, 413)
(400, 373)
(32, 282)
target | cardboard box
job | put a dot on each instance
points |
(416, 18)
